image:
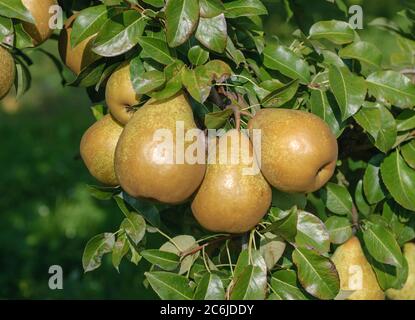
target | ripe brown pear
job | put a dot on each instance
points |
(98, 149)
(120, 94)
(298, 149)
(408, 290)
(7, 71)
(40, 30)
(144, 167)
(355, 272)
(80, 56)
(231, 199)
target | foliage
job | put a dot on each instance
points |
(214, 49)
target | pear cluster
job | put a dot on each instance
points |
(297, 153)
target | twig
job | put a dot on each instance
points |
(203, 246)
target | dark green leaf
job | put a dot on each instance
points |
(198, 56)
(211, 8)
(210, 287)
(340, 229)
(170, 286)
(251, 284)
(337, 199)
(197, 82)
(165, 260)
(244, 8)
(371, 180)
(408, 153)
(212, 33)
(157, 49)
(366, 52)
(284, 285)
(15, 9)
(338, 32)
(320, 106)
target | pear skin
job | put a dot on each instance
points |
(230, 200)
(141, 164)
(355, 272)
(40, 31)
(120, 94)
(7, 71)
(78, 57)
(299, 151)
(408, 290)
(98, 149)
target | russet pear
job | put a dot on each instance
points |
(145, 166)
(355, 272)
(120, 94)
(232, 198)
(408, 290)
(40, 31)
(7, 71)
(298, 149)
(78, 57)
(98, 149)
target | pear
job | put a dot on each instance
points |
(40, 31)
(98, 149)
(7, 71)
(145, 167)
(232, 199)
(355, 272)
(408, 290)
(80, 56)
(298, 149)
(120, 94)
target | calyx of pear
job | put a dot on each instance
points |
(7, 71)
(407, 292)
(144, 167)
(98, 149)
(232, 199)
(78, 57)
(120, 95)
(298, 149)
(40, 31)
(355, 272)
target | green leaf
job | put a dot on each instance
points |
(284, 60)
(155, 3)
(406, 120)
(120, 249)
(101, 193)
(197, 82)
(284, 285)
(312, 233)
(144, 207)
(210, 287)
(382, 245)
(216, 120)
(287, 226)
(169, 286)
(157, 49)
(250, 284)
(379, 122)
(88, 22)
(337, 199)
(95, 249)
(135, 227)
(393, 88)
(371, 180)
(182, 17)
(90, 75)
(280, 95)
(367, 53)
(212, 33)
(247, 258)
(408, 153)
(119, 34)
(244, 8)
(165, 260)
(338, 32)
(362, 204)
(316, 273)
(185, 243)
(320, 106)
(399, 179)
(285, 201)
(197, 55)
(272, 249)
(211, 8)
(348, 89)
(15, 9)
(339, 228)
(147, 82)
(6, 27)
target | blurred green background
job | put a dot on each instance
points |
(46, 212)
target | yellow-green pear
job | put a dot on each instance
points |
(40, 31)
(355, 272)
(120, 94)
(145, 165)
(298, 149)
(98, 149)
(78, 57)
(408, 290)
(233, 197)
(7, 71)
